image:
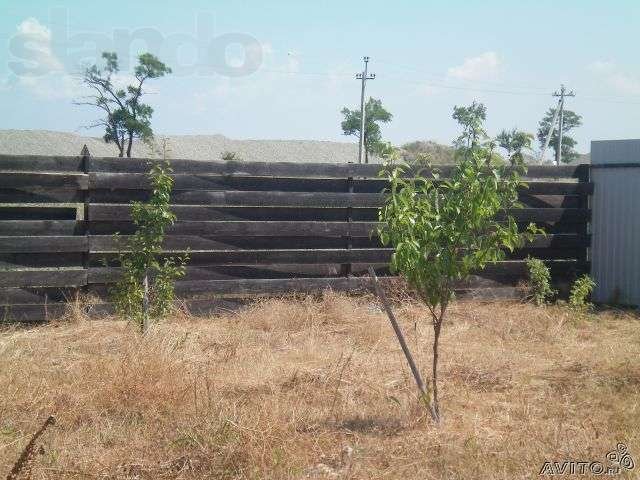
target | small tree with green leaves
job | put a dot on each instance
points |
(142, 260)
(580, 292)
(445, 230)
(539, 281)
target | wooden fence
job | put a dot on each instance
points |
(251, 228)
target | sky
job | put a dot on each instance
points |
(283, 69)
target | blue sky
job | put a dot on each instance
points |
(296, 62)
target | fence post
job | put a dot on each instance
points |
(86, 231)
(347, 268)
(584, 176)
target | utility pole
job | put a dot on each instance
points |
(364, 76)
(562, 96)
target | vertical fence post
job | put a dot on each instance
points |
(145, 303)
(584, 176)
(347, 268)
(86, 155)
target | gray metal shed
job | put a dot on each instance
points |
(615, 227)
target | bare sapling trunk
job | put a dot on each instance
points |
(437, 328)
(425, 397)
(145, 304)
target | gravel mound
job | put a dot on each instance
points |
(198, 147)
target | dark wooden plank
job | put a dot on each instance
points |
(12, 261)
(35, 296)
(268, 257)
(284, 169)
(123, 187)
(558, 268)
(43, 278)
(39, 195)
(40, 163)
(249, 230)
(107, 243)
(277, 199)
(25, 244)
(311, 199)
(551, 201)
(137, 181)
(261, 169)
(120, 213)
(76, 181)
(27, 212)
(558, 188)
(271, 286)
(104, 212)
(266, 243)
(559, 241)
(570, 215)
(489, 293)
(41, 227)
(10, 314)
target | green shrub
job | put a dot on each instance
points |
(539, 281)
(141, 255)
(580, 293)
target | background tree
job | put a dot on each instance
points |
(514, 142)
(126, 117)
(375, 114)
(571, 120)
(471, 119)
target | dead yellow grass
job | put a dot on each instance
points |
(320, 389)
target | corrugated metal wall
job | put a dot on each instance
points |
(615, 228)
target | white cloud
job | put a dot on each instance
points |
(45, 75)
(485, 66)
(615, 78)
(38, 37)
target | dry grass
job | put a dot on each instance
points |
(319, 389)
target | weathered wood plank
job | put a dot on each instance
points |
(31, 313)
(35, 296)
(43, 278)
(267, 243)
(76, 181)
(26, 244)
(268, 257)
(284, 169)
(40, 195)
(109, 212)
(40, 163)
(32, 212)
(104, 212)
(191, 231)
(41, 227)
(305, 199)
(12, 261)
(270, 286)
(129, 183)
